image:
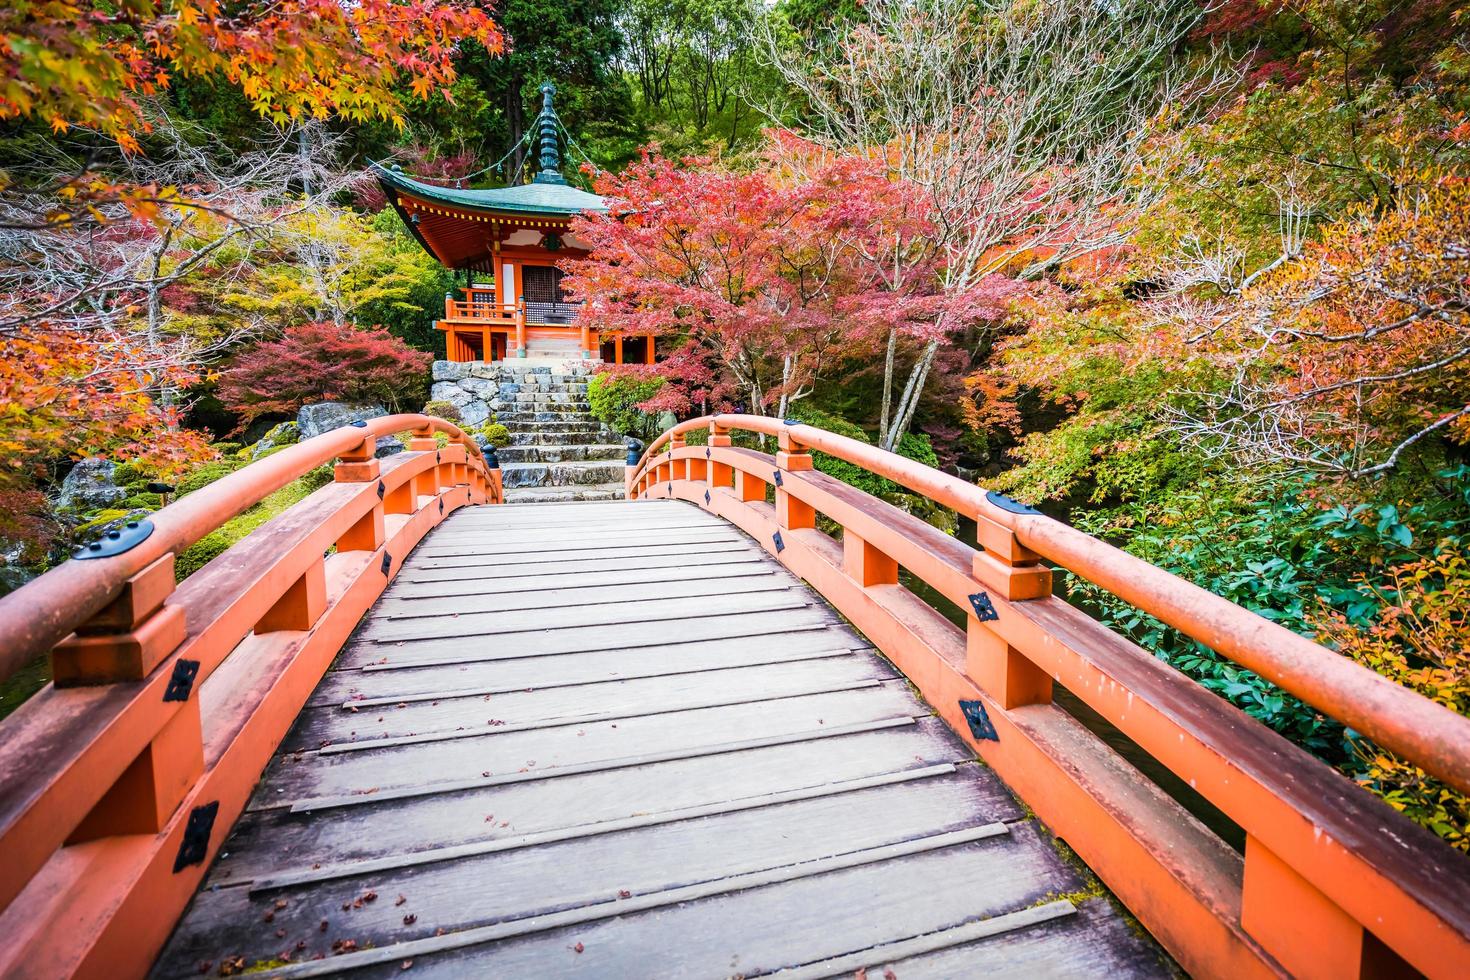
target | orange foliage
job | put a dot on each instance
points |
(87, 64)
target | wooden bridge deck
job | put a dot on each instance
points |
(617, 739)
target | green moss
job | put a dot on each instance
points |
(205, 475)
(98, 519)
(215, 543)
(227, 448)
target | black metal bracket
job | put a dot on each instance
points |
(116, 541)
(194, 848)
(984, 608)
(360, 423)
(441, 505)
(1006, 503)
(706, 452)
(387, 562)
(381, 489)
(778, 477)
(706, 498)
(436, 457)
(780, 545)
(181, 682)
(671, 488)
(978, 720)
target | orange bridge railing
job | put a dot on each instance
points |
(116, 787)
(1332, 882)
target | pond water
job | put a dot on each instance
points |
(1177, 788)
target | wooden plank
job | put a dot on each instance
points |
(581, 881)
(576, 667)
(319, 872)
(571, 595)
(530, 772)
(578, 543)
(745, 925)
(860, 961)
(1095, 942)
(362, 702)
(273, 841)
(588, 575)
(649, 610)
(559, 744)
(371, 655)
(625, 697)
(427, 568)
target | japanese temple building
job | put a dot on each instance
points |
(513, 237)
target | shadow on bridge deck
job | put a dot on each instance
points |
(618, 739)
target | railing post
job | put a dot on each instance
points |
(720, 474)
(357, 465)
(520, 328)
(865, 564)
(1304, 930)
(301, 605)
(128, 638)
(124, 642)
(148, 792)
(1004, 570)
(792, 457)
(676, 468)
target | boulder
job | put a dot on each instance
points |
(388, 446)
(450, 370)
(449, 391)
(89, 486)
(480, 369)
(480, 387)
(473, 413)
(321, 417)
(285, 434)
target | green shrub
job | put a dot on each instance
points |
(448, 411)
(913, 446)
(495, 434)
(614, 399)
(227, 448)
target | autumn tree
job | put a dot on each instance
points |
(323, 362)
(1021, 136)
(764, 270)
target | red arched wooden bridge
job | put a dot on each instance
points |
(708, 731)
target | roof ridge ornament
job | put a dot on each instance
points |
(549, 171)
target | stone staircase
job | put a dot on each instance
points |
(558, 451)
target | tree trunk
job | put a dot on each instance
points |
(887, 384)
(910, 400)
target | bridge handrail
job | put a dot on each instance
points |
(37, 616)
(1333, 882)
(1426, 733)
(119, 780)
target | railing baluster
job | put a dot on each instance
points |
(791, 457)
(1009, 571)
(720, 474)
(1308, 933)
(128, 638)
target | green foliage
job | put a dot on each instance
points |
(913, 446)
(448, 411)
(410, 312)
(214, 544)
(206, 474)
(1273, 548)
(495, 434)
(614, 400)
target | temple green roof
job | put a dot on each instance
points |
(533, 198)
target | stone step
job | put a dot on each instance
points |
(547, 421)
(561, 453)
(561, 474)
(562, 495)
(556, 437)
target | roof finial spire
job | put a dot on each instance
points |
(548, 125)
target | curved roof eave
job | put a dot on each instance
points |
(555, 199)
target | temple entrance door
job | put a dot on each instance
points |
(545, 302)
